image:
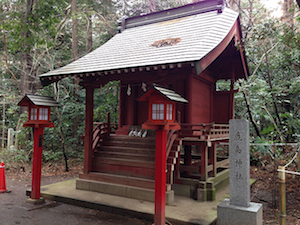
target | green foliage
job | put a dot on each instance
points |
(107, 101)
(12, 155)
(223, 85)
(272, 48)
(46, 36)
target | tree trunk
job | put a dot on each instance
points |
(271, 88)
(89, 35)
(62, 140)
(250, 115)
(74, 30)
(26, 60)
(288, 12)
(59, 118)
(75, 57)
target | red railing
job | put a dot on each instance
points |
(102, 130)
(204, 132)
(171, 137)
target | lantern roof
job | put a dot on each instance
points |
(167, 93)
(38, 100)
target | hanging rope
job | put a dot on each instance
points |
(287, 171)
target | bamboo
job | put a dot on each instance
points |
(282, 195)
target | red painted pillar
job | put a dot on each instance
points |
(37, 163)
(160, 176)
(88, 137)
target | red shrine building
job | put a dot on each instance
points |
(186, 51)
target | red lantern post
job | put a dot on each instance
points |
(160, 176)
(37, 162)
(161, 117)
(38, 118)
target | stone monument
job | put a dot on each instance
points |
(238, 210)
(10, 138)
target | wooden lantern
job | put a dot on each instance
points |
(38, 118)
(162, 108)
(38, 110)
(161, 117)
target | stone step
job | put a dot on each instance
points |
(118, 179)
(121, 190)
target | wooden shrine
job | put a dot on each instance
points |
(186, 50)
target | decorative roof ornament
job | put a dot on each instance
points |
(166, 42)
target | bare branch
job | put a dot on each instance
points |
(262, 58)
(274, 123)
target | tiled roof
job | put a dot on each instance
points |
(170, 94)
(197, 35)
(167, 93)
(39, 100)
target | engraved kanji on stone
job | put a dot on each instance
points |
(238, 136)
(237, 149)
(238, 163)
(238, 176)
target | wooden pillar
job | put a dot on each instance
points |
(204, 159)
(88, 138)
(211, 113)
(189, 93)
(177, 165)
(187, 157)
(231, 96)
(121, 99)
(37, 163)
(160, 176)
(213, 155)
(131, 107)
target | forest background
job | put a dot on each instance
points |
(37, 36)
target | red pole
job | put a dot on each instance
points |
(160, 176)
(37, 163)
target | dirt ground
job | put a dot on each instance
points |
(266, 191)
(14, 209)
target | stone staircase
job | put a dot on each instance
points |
(125, 166)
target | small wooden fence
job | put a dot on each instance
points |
(204, 132)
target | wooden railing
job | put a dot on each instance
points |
(203, 131)
(102, 130)
(171, 137)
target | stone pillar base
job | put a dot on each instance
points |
(35, 201)
(237, 215)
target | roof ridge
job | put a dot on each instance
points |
(174, 13)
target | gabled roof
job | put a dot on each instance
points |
(38, 100)
(198, 31)
(167, 93)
